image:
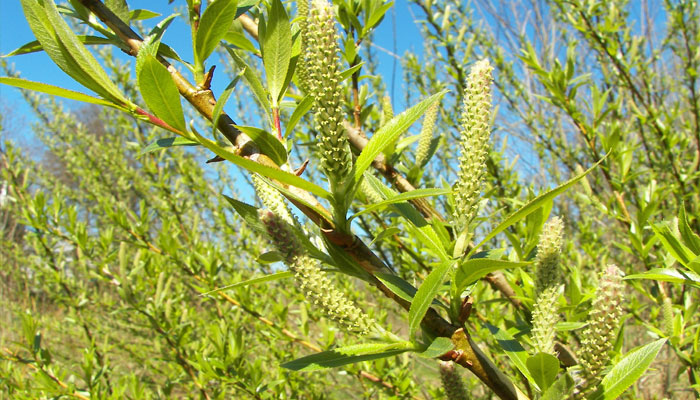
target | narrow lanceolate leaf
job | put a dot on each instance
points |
(690, 238)
(401, 288)
(160, 93)
(223, 98)
(215, 22)
(388, 133)
(544, 368)
(476, 268)
(438, 347)
(260, 279)
(151, 44)
(346, 355)
(55, 90)
(514, 350)
(419, 227)
(673, 245)
(253, 81)
(35, 46)
(400, 198)
(267, 143)
(668, 275)
(276, 50)
(141, 14)
(426, 293)
(165, 143)
(270, 172)
(66, 50)
(628, 370)
(533, 205)
(302, 108)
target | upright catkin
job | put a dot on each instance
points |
(544, 313)
(426, 134)
(598, 337)
(323, 84)
(474, 130)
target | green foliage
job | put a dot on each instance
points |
(137, 273)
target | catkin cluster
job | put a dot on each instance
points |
(451, 382)
(426, 134)
(322, 80)
(547, 284)
(311, 280)
(273, 200)
(598, 337)
(474, 122)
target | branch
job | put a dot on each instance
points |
(203, 101)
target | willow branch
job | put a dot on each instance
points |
(203, 101)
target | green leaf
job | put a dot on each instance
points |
(348, 72)
(276, 45)
(400, 198)
(248, 213)
(151, 44)
(476, 268)
(426, 293)
(119, 8)
(388, 133)
(66, 50)
(560, 389)
(223, 98)
(385, 234)
(160, 93)
(673, 245)
(628, 370)
(141, 14)
(261, 279)
(346, 355)
(401, 288)
(514, 350)
(56, 91)
(35, 46)
(239, 40)
(253, 81)
(270, 172)
(270, 257)
(165, 143)
(418, 226)
(533, 205)
(669, 275)
(544, 369)
(215, 22)
(438, 347)
(302, 108)
(375, 17)
(690, 238)
(267, 143)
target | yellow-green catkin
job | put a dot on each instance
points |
(323, 82)
(426, 134)
(547, 284)
(668, 316)
(451, 382)
(303, 15)
(311, 280)
(273, 200)
(598, 337)
(474, 122)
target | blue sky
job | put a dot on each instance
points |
(14, 32)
